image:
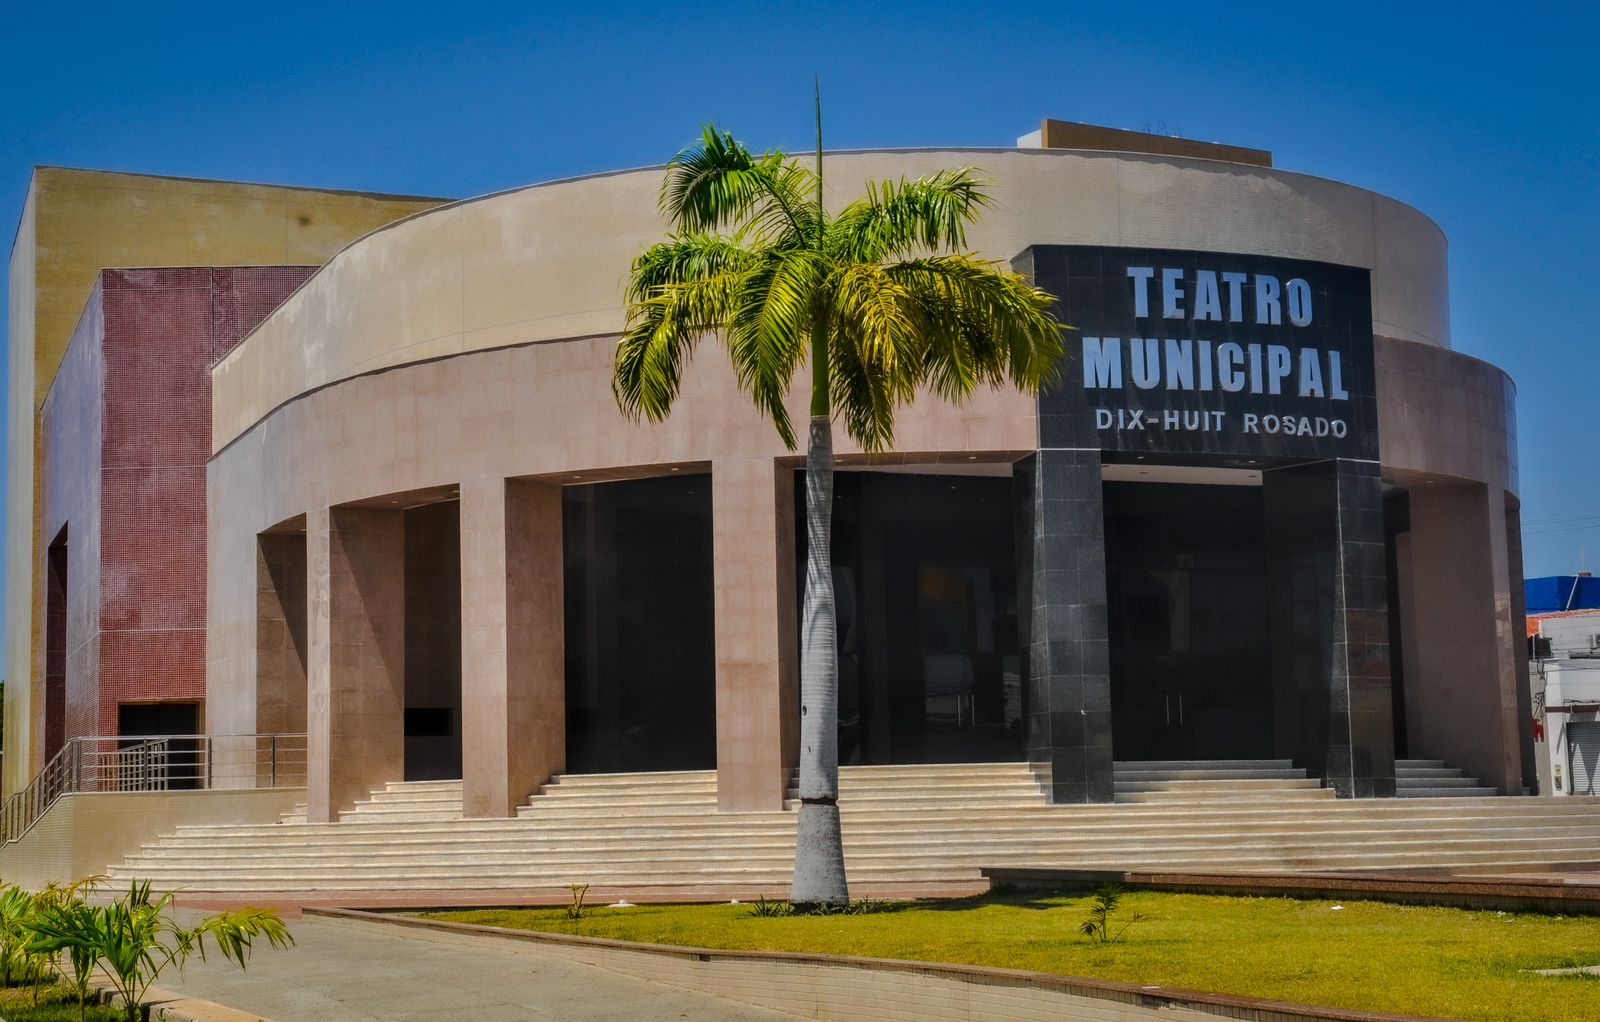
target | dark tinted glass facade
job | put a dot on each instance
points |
(926, 592)
(641, 667)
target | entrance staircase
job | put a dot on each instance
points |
(1430, 778)
(1226, 781)
(908, 829)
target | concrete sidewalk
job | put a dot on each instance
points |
(342, 970)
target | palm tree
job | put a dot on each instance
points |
(883, 300)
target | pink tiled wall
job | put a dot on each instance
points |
(126, 436)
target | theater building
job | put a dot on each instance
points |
(1265, 512)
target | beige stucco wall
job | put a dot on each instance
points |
(21, 455)
(548, 261)
(76, 223)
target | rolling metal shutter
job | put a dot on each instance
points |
(1583, 747)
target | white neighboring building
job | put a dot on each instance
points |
(1565, 674)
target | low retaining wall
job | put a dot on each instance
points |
(84, 834)
(845, 989)
(1508, 894)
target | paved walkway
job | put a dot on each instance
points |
(342, 970)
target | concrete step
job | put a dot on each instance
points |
(1124, 774)
(1453, 780)
(425, 797)
(420, 786)
(1244, 785)
(211, 845)
(676, 860)
(1230, 795)
(927, 844)
(1334, 812)
(974, 848)
(861, 871)
(1444, 792)
(1145, 765)
(933, 824)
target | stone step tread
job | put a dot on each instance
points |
(1020, 786)
(1508, 810)
(211, 844)
(931, 846)
(926, 836)
(1452, 781)
(860, 872)
(1212, 784)
(601, 858)
(1203, 764)
(1509, 807)
(412, 797)
(1419, 792)
(1298, 795)
(1286, 774)
(907, 803)
(1273, 857)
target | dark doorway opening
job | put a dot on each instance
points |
(640, 636)
(182, 767)
(925, 589)
(55, 647)
(1186, 593)
(433, 641)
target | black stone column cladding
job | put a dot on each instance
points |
(1061, 604)
(1328, 622)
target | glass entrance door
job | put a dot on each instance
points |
(1187, 622)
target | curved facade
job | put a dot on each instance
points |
(424, 511)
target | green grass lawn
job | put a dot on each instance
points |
(56, 1004)
(1367, 955)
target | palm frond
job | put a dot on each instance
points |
(984, 324)
(718, 182)
(770, 328)
(895, 219)
(682, 258)
(884, 320)
(662, 332)
(860, 391)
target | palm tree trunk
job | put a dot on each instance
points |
(819, 846)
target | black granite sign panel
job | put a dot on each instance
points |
(1209, 353)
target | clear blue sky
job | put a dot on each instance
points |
(1487, 119)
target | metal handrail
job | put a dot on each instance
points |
(125, 763)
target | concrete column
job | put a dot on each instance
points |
(513, 656)
(1462, 704)
(758, 727)
(355, 677)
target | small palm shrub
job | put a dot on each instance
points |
(576, 908)
(1100, 926)
(134, 939)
